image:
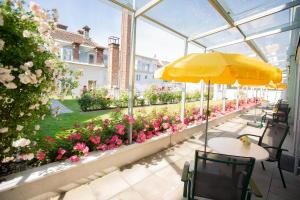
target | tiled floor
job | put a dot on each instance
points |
(158, 177)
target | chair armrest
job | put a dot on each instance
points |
(248, 135)
(254, 189)
(271, 147)
(185, 172)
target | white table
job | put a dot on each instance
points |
(234, 147)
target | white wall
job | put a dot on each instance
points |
(96, 73)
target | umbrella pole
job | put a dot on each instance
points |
(207, 111)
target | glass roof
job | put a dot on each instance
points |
(239, 9)
(275, 20)
(221, 37)
(195, 17)
(241, 48)
(187, 17)
(275, 47)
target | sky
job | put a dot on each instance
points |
(104, 19)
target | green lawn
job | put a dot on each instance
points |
(54, 125)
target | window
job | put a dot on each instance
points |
(146, 77)
(91, 85)
(67, 54)
(91, 59)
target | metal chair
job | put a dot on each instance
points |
(272, 140)
(218, 176)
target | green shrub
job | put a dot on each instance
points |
(151, 95)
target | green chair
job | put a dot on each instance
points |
(272, 140)
(218, 176)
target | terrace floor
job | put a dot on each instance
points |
(158, 177)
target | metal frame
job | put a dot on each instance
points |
(183, 93)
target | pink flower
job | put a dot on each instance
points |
(95, 139)
(177, 118)
(102, 147)
(166, 118)
(111, 146)
(141, 137)
(91, 127)
(79, 146)
(74, 158)
(166, 125)
(119, 142)
(129, 118)
(61, 151)
(120, 129)
(85, 151)
(77, 136)
(149, 135)
(41, 155)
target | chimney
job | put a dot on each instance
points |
(76, 52)
(113, 62)
(80, 32)
(99, 55)
(61, 26)
(125, 49)
(86, 32)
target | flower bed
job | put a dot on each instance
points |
(107, 134)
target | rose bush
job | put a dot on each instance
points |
(29, 73)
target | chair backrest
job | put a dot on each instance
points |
(274, 136)
(219, 176)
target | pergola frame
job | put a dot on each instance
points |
(249, 40)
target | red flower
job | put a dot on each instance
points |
(129, 118)
(120, 129)
(102, 147)
(77, 136)
(41, 155)
(149, 135)
(119, 142)
(95, 139)
(50, 139)
(74, 158)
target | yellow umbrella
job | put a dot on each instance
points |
(219, 68)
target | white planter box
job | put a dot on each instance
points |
(53, 178)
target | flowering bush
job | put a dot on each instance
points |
(29, 74)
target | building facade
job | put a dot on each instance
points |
(100, 65)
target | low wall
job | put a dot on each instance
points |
(51, 179)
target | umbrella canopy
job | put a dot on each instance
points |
(220, 68)
(277, 86)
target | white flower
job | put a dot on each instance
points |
(1, 44)
(10, 85)
(19, 127)
(35, 8)
(26, 34)
(25, 79)
(21, 114)
(44, 27)
(6, 150)
(38, 72)
(3, 130)
(37, 127)
(24, 17)
(43, 117)
(1, 20)
(5, 76)
(44, 100)
(29, 156)
(8, 159)
(28, 64)
(29, 114)
(22, 142)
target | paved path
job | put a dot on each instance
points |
(59, 108)
(158, 177)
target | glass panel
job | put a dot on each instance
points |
(240, 48)
(187, 17)
(138, 3)
(192, 48)
(275, 47)
(221, 37)
(275, 20)
(239, 9)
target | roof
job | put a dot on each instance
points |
(160, 63)
(60, 34)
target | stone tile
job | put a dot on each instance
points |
(134, 173)
(129, 194)
(82, 192)
(108, 186)
(154, 188)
